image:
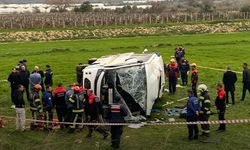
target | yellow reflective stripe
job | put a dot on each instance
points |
(201, 112)
(74, 122)
(37, 100)
(208, 112)
(32, 108)
(201, 97)
(78, 111)
(206, 131)
(206, 108)
(71, 100)
(207, 101)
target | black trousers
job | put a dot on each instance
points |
(222, 117)
(194, 89)
(232, 95)
(27, 90)
(193, 130)
(172, 85)
(116, 132)
(61, 114)
(204, 127)
(184, 78)
(68, 116)
(12, 94)
(77, 118)
(246, 86)
(48, 117)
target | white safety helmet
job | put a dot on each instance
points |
(145, 51)
(202, 88)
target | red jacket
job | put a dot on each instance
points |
(172, 70)
(91, 98)
(221, 94)
(220, 100)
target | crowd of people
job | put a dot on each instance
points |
(76, 104)
(199, 104)
(73, 106)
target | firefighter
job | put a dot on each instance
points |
(94, 109)
(68, 94)
(184, 69)
(192, 115)
(205, 105)
(60, 103)
(116, 115)
(173, 74)
(194, 78)
(36, 107)
(77, 101)
(47, 107)
(221, 105)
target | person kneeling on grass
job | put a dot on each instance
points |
(192, 115)
(20, 108)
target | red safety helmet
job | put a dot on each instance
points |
(38, 87)
(76, 89)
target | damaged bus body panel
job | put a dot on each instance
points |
(137, 78)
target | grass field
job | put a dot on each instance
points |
(211, 50)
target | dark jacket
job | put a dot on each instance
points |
(117, 113)
(77, 101)
(246, 76)
(220, 100)
(229, 80)
(48, 77)
(205, 103)
(172, 71)
(192, 106)
(35, 102)
(194, 76)
(14, 79)
(24, 75)
(184, 66)
(47, 100)
(18, 99)
(59, 98)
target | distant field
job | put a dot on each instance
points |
(211, 50)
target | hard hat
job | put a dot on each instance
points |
(76, 88)
(36, 68)
(172, 60)
(202, 88)
(38, 87)
(193, 65)
(145, 51)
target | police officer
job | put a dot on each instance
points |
(173, 74)
(60, 103)
(246, 81)
(184, 68)
(192, 115)
(47, 107)
(94, 109)
(116, 115)
(77, 101)
(36, 106)
(194, 78)
(221, 106)
(205, 105)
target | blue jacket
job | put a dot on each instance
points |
(47, 100)
(192, 106)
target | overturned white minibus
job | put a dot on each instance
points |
(137, 78)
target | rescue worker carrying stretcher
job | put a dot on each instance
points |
(205, 105)
(36, 107)
(77, 101)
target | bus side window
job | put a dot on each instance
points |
(87, 83)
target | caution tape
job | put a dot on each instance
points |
(152, 123)
(216, 69)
